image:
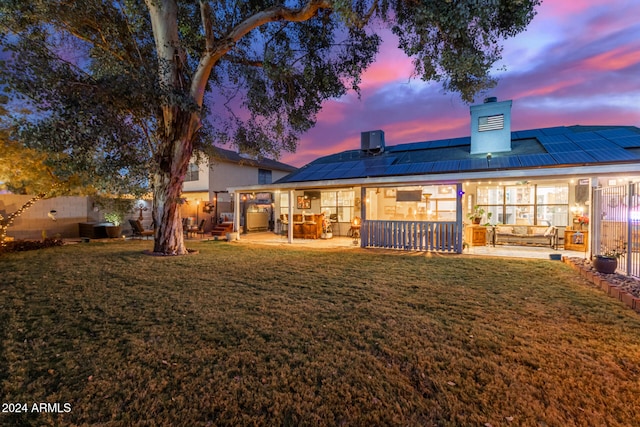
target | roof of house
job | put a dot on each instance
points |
(536, 148)
(264, 163)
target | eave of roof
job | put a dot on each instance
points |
(557, 147)
(265, 163)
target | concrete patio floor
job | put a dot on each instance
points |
(339, 242)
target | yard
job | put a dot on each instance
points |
(239, 335)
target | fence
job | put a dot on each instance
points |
(616, 225)
(412, 235)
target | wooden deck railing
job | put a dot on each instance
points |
(440, 236)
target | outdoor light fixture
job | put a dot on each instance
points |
(52, 214)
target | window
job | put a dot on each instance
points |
(193, 173)
(526, 204)
(338, 204)
(284, 203)
(264, 176)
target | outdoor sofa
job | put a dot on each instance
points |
(533, 235)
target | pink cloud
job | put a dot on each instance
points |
(548, 89)
(578, 63)
(615, 59)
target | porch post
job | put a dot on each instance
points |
(236, 213)
(290, 215)
(595, 218)
(631, 187)
(459, 207)
(363, 212)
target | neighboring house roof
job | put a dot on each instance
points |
(263, 163)
(536, 148)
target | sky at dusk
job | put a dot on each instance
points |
(577, 63)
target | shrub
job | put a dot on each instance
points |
(30, 245)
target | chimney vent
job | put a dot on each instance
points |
(491, 126)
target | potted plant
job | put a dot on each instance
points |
(476, 215)
(115, 218)
(607, 261)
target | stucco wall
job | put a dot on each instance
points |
(69, 212)
(203, 180)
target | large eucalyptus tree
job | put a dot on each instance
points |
(127, 88)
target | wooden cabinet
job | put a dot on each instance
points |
(475, 235)
(576, 240)
(309, 227)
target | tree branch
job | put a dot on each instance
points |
(217, 50)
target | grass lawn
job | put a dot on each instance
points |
(241, 335)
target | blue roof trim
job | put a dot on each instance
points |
(535, 148)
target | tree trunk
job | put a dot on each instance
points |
(171, 163)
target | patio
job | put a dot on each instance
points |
(269, 238)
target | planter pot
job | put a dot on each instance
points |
(327, 235)
(232, 236)
(113, 231)
(477, 220)
(605, 265)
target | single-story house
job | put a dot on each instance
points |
(419, 196)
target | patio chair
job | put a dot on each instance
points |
(138, 230)
(200, 229)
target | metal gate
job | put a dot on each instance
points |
(616, 225)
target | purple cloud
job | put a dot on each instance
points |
(577, 63)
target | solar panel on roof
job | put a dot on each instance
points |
(522, 134)
(397, 169)
(456, 142)
(592, 144)
(555, 130)
(328, 167)
(378, 161)
(583, 136)
(505, 162)
(533, 160)
(422, 167)
(561, 147)
(446, 166)
(572, 157)
(553, 139)
(612, 154)
(616, 133)
(627, 141)
(472, 164)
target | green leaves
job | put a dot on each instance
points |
(90, 73)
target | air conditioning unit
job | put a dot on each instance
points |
(372, 141)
